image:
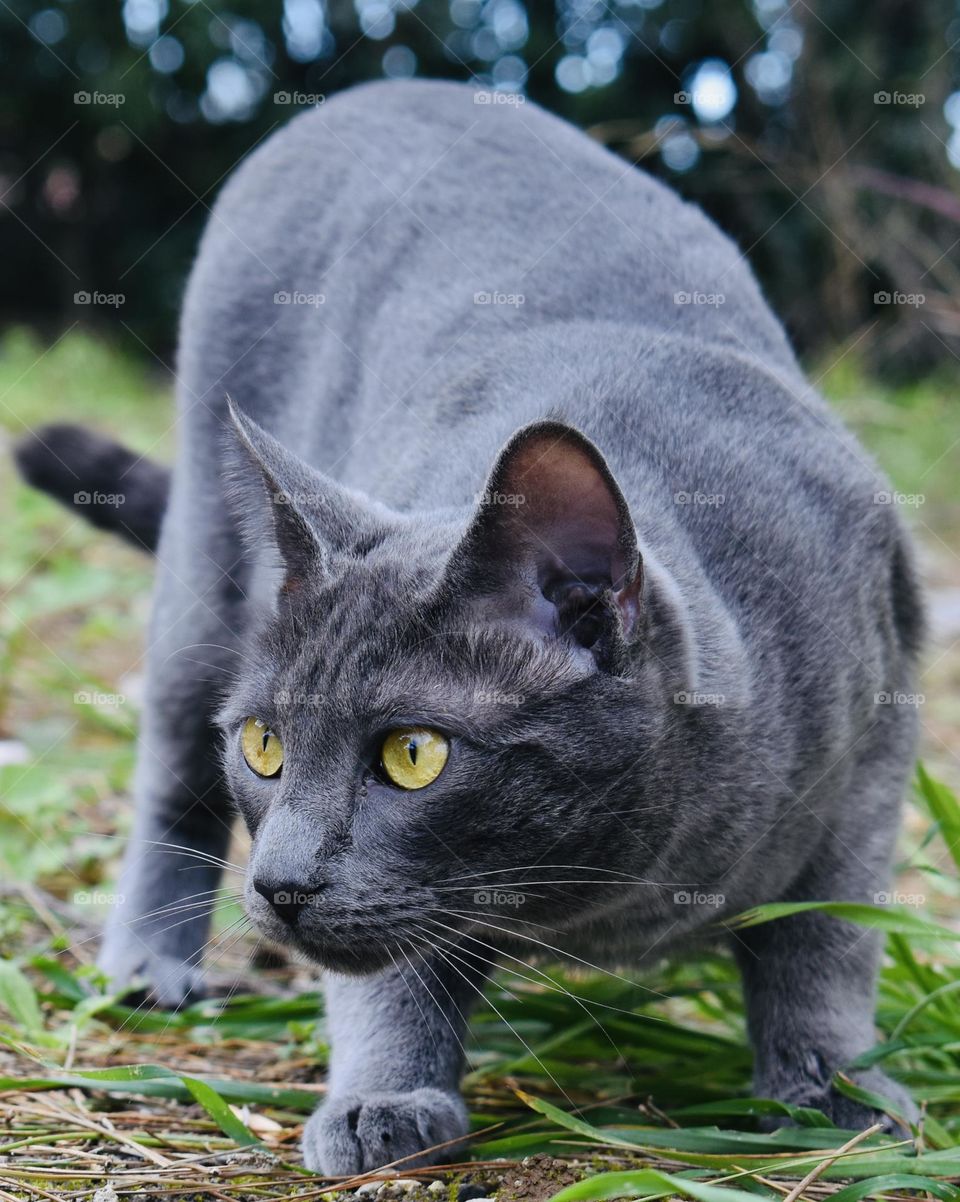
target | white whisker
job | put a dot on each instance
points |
(446, 957)
(566, 955)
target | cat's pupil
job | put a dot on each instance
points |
(266, 740)
(412, 750)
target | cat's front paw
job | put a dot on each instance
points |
(357, 1133)
(852, 1115)
(154, 978)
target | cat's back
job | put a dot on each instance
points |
(430, 219)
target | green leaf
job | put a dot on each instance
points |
(153, 1080)
(895, 1181)
(882, 918)
(19, 998)
(803, 1116)
(944, 807)
(651, 1183)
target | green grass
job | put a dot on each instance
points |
(609, 1081)
(913, 430)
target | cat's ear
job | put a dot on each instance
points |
(552, 541)
(308, 517)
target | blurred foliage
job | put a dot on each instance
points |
(119, 121)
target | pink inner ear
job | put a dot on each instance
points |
(569, 513)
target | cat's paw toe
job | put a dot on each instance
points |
(857, 1116)
(845, 1112)
(151, 978)
(359, 1133)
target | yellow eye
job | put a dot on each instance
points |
(261, 748)
(414, 756)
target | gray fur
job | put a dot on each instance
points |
(559, 640)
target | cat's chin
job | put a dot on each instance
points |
(345, 961)
(349, 960)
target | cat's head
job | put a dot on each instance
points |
(431, 730)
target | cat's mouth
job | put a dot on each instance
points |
(352, 955)
(353, 946)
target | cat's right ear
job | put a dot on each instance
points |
(309, 518)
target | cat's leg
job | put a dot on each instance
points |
(156, 934)
(810, 979)
(397, 1053)
(809, 983)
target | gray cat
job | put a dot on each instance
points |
(555, 612)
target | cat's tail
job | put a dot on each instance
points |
(99, 479)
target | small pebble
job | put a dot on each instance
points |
(471, 1193)
(368, 1187)
(406, 1183)
(437, 1187)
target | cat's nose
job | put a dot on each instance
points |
(289, 898)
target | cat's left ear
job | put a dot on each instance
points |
(552, 541)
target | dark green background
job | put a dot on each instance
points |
(834, 196)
